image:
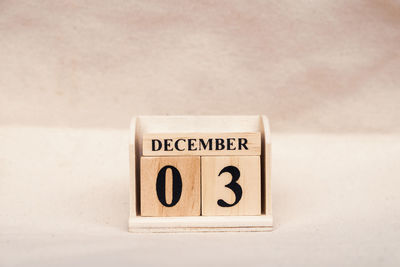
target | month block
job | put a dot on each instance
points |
(170, 186)
(202, 144)
(231, 185)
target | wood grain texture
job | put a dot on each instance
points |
(189, 202)
(184, 144)
(214, 185)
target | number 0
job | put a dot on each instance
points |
(176, 186)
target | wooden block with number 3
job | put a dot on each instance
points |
(170, 186)
(231, 185)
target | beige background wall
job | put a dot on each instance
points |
(309, 65)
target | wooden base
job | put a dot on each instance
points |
(261, 223)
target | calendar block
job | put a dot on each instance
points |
(231, 185)
(170, 186)
(200, 174)
(204, 144)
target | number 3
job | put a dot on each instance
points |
(235, 187)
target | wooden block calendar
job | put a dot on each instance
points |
(200, 174)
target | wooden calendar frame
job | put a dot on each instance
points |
(186, 124)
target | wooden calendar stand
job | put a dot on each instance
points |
(199, 124)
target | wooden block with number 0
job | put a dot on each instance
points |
(170, 186)
(231, 185)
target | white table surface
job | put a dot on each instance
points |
(64, 202)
